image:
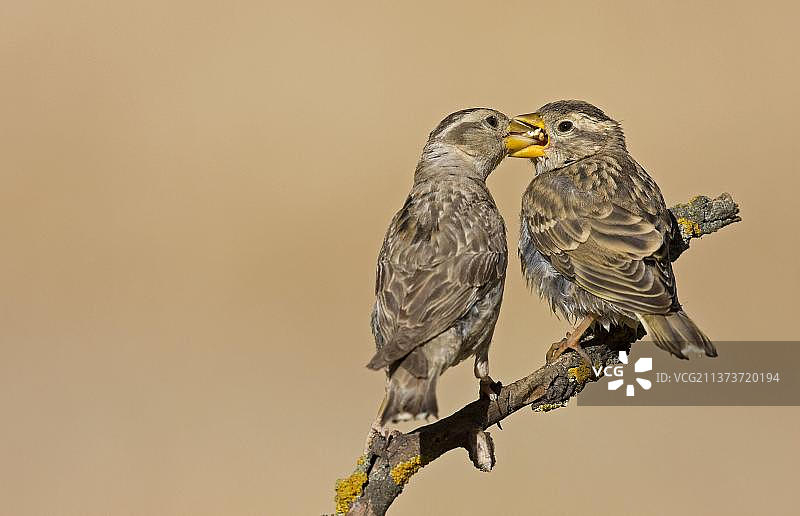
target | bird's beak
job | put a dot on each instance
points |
(526, 137)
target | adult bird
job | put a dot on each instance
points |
(595, 232)
(441, 269)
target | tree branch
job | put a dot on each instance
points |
(389, 461)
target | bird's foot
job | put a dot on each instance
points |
(375, 431)
(558, 348)
(489, 388)
(378, 429)
(572, 341)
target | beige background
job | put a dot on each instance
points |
(194, 193)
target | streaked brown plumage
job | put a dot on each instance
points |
(595, 230)
(441, 269)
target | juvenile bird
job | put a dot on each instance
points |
(595, 232)
(441, 269)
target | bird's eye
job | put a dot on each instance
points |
(564, 126)
(492, 121)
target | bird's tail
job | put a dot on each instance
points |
(677, 333)
(409, 397)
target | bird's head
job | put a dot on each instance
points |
(562, 132)
(469, 137)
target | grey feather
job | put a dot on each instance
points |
(595, 232)
(442, 265)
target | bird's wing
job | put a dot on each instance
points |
(604, 227)
(437, 260)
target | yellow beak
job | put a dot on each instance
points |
(526, 137)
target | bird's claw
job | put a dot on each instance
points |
(558, 349)
(489, 388)
(375, 431)
(378, 429)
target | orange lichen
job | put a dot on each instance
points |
(403, 471)
(690, 227)
(348, 490)
(580, 373)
